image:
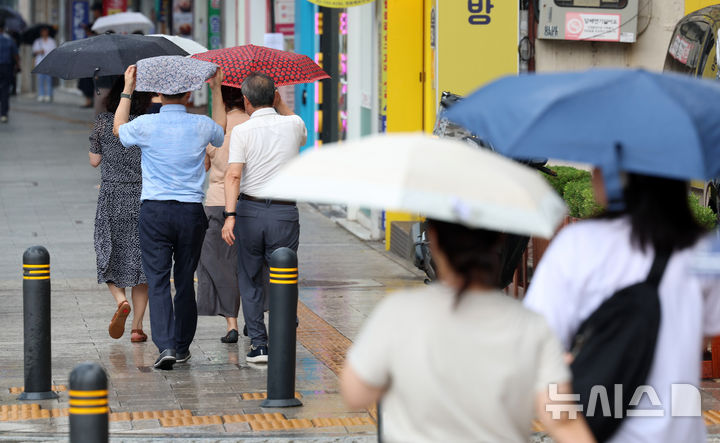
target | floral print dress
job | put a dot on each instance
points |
(117, 243)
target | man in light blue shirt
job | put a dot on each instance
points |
(172, 220)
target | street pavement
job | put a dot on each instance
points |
(48, 194)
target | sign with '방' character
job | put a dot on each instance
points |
(477, 42)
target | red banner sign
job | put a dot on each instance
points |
(114, 6)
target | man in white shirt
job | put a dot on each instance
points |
(258, 149)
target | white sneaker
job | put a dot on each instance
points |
(48, 99)
(40, 98)
(3, 119)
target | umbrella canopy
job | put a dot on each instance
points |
(123, 23)
(172, 74)
(33, 32)
(440, 178)
(190, 46)
(13, 20)
(664, 125)
(102, 55)
(285, 68)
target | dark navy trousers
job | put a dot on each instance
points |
(260, 229)
(171, 230)
(6, 75)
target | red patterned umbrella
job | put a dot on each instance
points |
(285, 68)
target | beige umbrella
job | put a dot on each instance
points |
(439, 178)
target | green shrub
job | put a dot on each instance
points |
(704, 215)
(579, 197)
(565, 175)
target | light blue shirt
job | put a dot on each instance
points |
(173, 145)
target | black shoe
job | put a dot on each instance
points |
(245, 332)
(257, 354)
(166, 360)
(182, 357)
(230, 337)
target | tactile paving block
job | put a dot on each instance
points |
(172, 413)
(712, 417)
(278, 425)
(120, 416)
(21, 389)
(29, 411)
(261, 395)
(537, 426)
(243, 418)
(342, 421)
(192, 421)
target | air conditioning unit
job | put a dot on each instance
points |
(591, 20)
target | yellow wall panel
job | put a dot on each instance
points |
(694, 5)
(475, 46)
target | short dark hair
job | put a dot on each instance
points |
(259, 89)
(138, 105)
(173, 96)
(659, 213)
(232, 97)
(471, 252)
(2, 22)
(97, 6)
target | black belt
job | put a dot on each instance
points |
(243, 196)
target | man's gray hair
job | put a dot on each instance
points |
(259, 89)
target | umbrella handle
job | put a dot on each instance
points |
(95, 78)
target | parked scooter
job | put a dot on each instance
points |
(512, 251)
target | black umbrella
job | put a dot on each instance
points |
(13, 19)
(103, 55)
(33, 33)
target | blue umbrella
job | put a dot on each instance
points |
(665, 125)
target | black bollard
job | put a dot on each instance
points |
(283, 312)
(36, 325)
(89, 410)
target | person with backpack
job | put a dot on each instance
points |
(621, 295)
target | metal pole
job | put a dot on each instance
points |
(36, 325)
(88, 404)
(282, 339)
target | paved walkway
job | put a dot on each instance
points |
(48, 193)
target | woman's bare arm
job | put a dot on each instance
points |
(356, 393)
(95, 159)
(122, 113)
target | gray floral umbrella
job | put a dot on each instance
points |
(172, 74)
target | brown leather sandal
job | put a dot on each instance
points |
(138, 336)
(117, 324)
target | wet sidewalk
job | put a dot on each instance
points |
(48, 193)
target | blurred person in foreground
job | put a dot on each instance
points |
(172, 221)
(117, 242)
(218, 292)
(591, 260)
(9, 59)
(41, 47)
(459, 360)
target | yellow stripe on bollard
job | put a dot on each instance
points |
(283, 269)
(283, 282)
(25, 277)
(89, 411)
(283, 275)
(41, 271)
(100, 393)
(37, 266)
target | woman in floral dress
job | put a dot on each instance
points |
(117, 243)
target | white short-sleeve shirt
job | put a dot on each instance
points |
(265, 143)
(455, 374)
(591, 260)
